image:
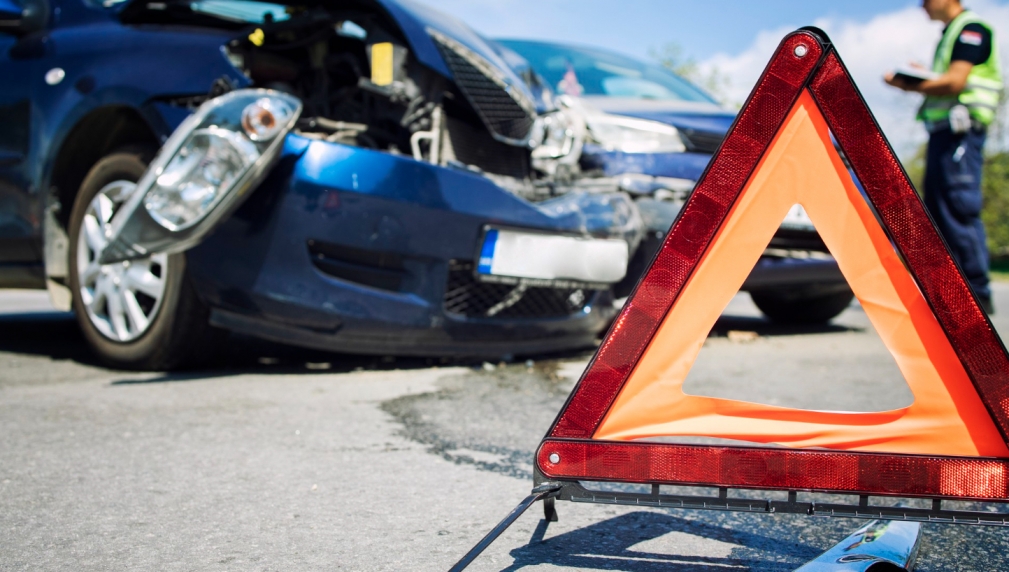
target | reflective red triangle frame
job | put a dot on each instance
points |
(913, 234)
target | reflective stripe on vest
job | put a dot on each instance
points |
(984, 84)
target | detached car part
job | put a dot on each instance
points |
(202, 173)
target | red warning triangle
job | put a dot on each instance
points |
(950, 442)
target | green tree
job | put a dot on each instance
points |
(995, 213)
(995, 187)
(671, 57)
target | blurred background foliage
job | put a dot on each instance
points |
(995, 188)
(672, 57)
(996, 207)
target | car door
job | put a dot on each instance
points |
(20, 224)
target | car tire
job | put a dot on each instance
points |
(144, 314)
(786, 306)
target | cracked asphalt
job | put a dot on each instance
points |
(278, 458)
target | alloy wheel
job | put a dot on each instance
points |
(121, 299)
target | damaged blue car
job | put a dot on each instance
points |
(364, 176)
(656, 132)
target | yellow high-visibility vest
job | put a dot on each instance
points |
(984, 84)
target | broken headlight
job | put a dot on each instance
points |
(557, 137)
(553, 136)
(208, 164)
(235, 134)
(203, 172)
(629, 135)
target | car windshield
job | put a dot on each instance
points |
(588, 71)
(242, 10)
(246, 11)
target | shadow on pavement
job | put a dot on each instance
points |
(765, 327)
(246, 354)
(55, 335)
(51, 334)
(613, 545)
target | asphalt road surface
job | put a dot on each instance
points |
(284, 459)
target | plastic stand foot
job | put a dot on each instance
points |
(550, 509)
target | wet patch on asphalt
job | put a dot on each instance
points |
(492, 417)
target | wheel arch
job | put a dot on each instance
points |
(93, 136)
(97, 134)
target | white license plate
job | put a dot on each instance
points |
(515, 254)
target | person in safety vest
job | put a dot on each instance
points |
(961, 96)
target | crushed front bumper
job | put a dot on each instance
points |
(347, 249)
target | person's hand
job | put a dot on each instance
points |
(897, 82)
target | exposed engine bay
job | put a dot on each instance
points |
(360, 85)
(327, 64)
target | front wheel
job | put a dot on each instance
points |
(137, 314)
(788, 306)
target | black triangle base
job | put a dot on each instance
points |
(550, 491)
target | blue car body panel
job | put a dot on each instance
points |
(109, 65)
(106, 65)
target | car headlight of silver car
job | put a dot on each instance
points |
(630, 135)
(203, 172)
(553, 136)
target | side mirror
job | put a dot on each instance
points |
(19, 18)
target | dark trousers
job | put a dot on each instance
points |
(953, 198)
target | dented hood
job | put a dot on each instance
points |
(414, 20)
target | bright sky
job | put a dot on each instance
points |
(738, 37)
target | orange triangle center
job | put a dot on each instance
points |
(801, 166)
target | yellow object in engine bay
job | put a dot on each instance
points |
(382, 63)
